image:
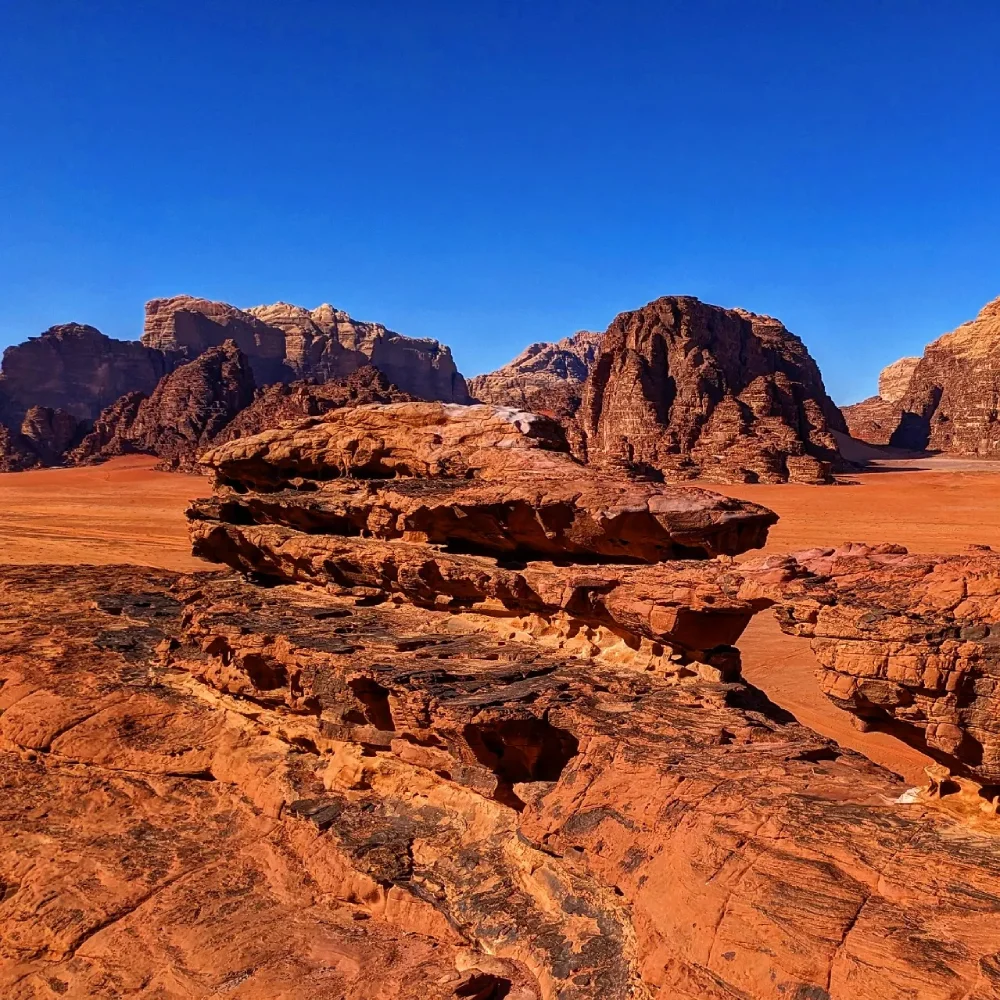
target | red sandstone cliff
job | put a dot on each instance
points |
(686, 389)
(286, 342)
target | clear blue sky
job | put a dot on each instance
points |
(493, 173)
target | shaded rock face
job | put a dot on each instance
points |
(686, 389)
(286, 342)
(543, 378)
(42, 439)
(77, 369)
(909, 643)
(282, 403)
(948, 400)
(184, 413)
(874, 420)
(953, 400)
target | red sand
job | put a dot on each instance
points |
(123, 511)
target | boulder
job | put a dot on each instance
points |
(685, 389)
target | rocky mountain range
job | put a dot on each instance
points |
(948, 400)
(73, 394)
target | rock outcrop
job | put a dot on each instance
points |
(181, 417)
(292, 402)
(685, 389)
(543, 378)
(217, 788)
(894, 380)
(907, 643)
(43, 438)
(285, 343)
(947, 401)
(77, 369)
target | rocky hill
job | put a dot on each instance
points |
(543, 378)
(73, 382)
(688, 389)
(948, 400)
(285, 343)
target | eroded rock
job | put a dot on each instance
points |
(909, 643)
(688, 389)
(413, 805)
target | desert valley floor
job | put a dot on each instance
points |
(124, 511)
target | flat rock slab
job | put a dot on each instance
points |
(583, 518)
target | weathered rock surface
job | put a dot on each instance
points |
(215, 788)
(77, 369)
(285, 343)
(687, 389)
(543, 378)
(399, 439)
(909, 643)
(42, 438)
(874, 420)
(582, 518)
(948, 400)
(894, 380)
(185, 412)
(291, 402)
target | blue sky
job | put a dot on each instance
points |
(495, 173)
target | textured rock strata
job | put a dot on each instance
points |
(910, 643)
(285, 343)
(185, 412)
(543, 378)
(224, 789)
(948, 400)
(687, 389)
(77, 369)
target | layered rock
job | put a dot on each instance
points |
(894, 380)
(42, 439)
(77, 369)
(185, 412)
(685, 389)
(413, 805)
(908, 643)
(948, 400)
(286, 342)
(293, 402)
(543, 378)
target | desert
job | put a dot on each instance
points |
(499, 501)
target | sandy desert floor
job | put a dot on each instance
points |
(124, 511)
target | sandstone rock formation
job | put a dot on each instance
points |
(75, 368)
(215, 788)
(184, 413)
(948, 400)
(909, 643)
(286, 342)
(894, 380)
(543, 378)
(292, 402)
(687, 389)
(43, 438)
